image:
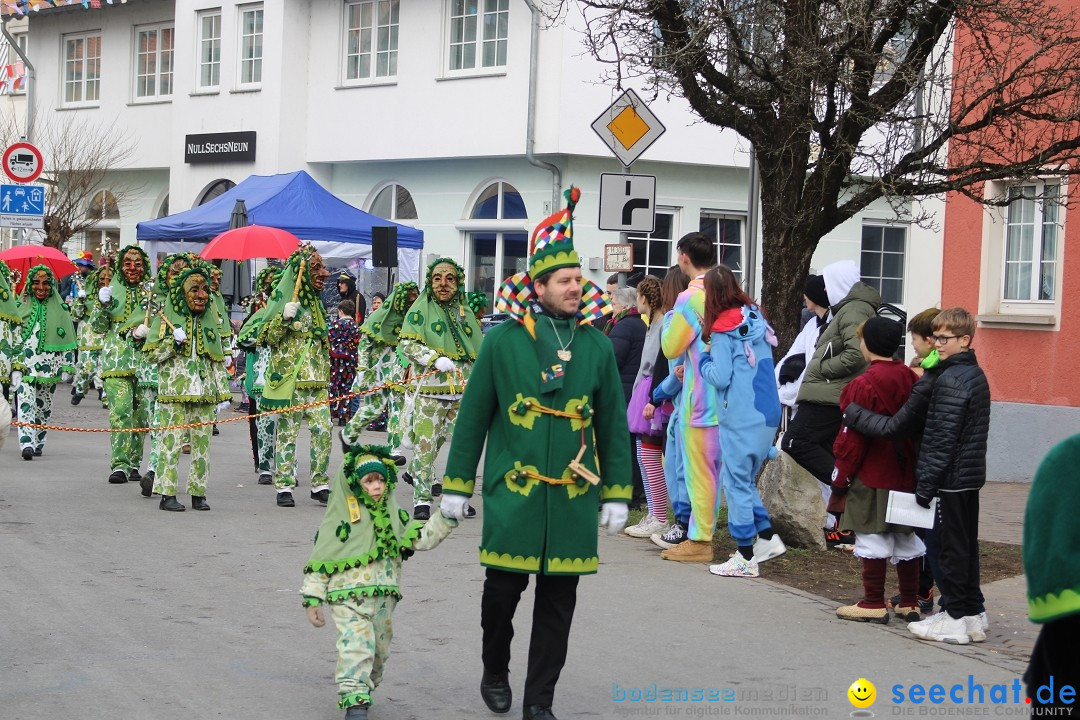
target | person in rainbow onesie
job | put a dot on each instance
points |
(739, 370)
(698, 418)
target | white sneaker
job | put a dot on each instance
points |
(768, 549)
(669, 539)
(736, 566)
(647, 527)
(942, 628)
(977, 625)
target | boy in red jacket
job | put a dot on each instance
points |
(868, 468)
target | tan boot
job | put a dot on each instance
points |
(860, 614)
(691, 551)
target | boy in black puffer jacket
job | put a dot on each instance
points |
(952, 467)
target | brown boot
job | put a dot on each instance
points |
(691, 551)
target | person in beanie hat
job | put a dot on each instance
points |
(867, 469)
(814, 290)
(355, 568)
(46, 350)
(792, 367)
(546, 397)
(1051, 536)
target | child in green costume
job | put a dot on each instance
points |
(355, 567)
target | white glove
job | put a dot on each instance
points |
(179, 335)
(445, 364)
(104, 294)
(453, 506)
(82, 293)
(16, 378)
(613, 516)
(290, 311)
(141, 332)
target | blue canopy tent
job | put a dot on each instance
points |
(292, 202)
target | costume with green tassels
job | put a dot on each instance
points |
(91, 342)
(10, 320)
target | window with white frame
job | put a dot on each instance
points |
(478, 34)
(153, 61)
(652, 252)
(726, 231)
(882, 260)
(1032, 230)
(82, 68)
(371, 39)
(394, 202)
(496, 240)
(209, 51)
(251, 45)
(16, 79)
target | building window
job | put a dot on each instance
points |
(371, 39)
(251, 44)
(882, 263)
(216, 189)
(726, 231)
(82, 68)
(1031, 240)
(104, 234)
(652, 253)
(154, 61)
(13, 80)
(395, 203)
(209, 29)
(478, 32)
(501, 248)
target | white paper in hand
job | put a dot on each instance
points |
(903, 510)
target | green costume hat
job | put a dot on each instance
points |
(449, 328)
(384, 325)
(291, 282)
(1052, 535)
(477, 300)
(370, 530)
(51, 317)
(202, 329)
(9, 309)
(127, 306)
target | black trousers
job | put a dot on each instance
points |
(958, 554)
(810, 436)
(553, 612)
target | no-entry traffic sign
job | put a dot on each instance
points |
(23, 162)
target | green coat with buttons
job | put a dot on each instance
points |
(530, 525)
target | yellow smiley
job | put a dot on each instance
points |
(862, 693)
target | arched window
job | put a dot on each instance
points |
(216, 189)
(104, 213)
(163, 211)
(496, 240)
(395, 203)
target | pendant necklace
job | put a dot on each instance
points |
(564, 350)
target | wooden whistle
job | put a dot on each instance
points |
(582, 471)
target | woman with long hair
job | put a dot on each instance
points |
(739, 367)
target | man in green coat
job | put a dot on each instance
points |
(545, 394)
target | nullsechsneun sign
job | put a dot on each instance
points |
(220, 147)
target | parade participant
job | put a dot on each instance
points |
(185, 343)
(74, 285)
(440, 333)
(477, 301)
(225, 330)
(294, 328)
(545, 394)
(10, 320)
(344, 344)
(262, 428)
(88, 368)
(124, 307)
(46, 350)
(376, 301)
(355, 568)
(346, 290)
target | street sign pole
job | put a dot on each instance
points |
(624, 237)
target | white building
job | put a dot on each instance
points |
(415, 110)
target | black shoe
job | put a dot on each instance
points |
(284, 499)
(537, 712)
(135, 475)
(37, 452)
(470, 511)
(266, 478)
(216, 432)
(118, 478)
(199, 503)
(495, 690)
(76, 399)
(356, 712)
(436, 489)
(146, 485)
(400, 460)
(100, 394)
(28, 453)
(170, 503)
(406, 477)
(322, 495)
(840, 539)
(421, 512)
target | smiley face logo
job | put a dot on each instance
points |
(862, 693)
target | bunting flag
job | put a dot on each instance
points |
(21, 7)
(12, 78)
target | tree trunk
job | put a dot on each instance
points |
(785, 264)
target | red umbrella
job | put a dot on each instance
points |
(253, 241)
(23, 257)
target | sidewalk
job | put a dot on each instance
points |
(1001, 519)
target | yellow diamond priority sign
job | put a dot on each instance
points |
(628, 127)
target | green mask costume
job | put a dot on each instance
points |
(127, 307)
(384, 325)
(255, 329)
(201, 329)
(264, 282)
(9, 309)
(51, 316)
(448, 328)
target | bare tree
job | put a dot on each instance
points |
(851, 101)
(80, 155)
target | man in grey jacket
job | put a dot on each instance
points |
(836, 361)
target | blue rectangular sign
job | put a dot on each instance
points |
(27, 200)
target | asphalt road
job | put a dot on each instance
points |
(115, 610)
